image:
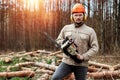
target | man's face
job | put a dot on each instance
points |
(78, 17)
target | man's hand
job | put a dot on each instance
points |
(80, 57)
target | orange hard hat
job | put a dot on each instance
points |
(78, 8)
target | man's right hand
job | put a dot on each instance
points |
(80, 57)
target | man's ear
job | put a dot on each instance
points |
(85, 17)
(71, 18)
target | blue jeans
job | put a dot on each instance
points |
(64, 69)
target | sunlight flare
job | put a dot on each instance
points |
(32, 4)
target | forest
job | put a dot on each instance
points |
(27, 54)
(21, 22)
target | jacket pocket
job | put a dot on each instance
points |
(68, 34)
(84, 36)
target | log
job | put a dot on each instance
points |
(98, 75)
(17, 74)
(28, 53)
(44, 71)
(105, 66)
(92, 69)
(59, 56)
(19, 65)
(48, 66)
(43, 51)
(26, 69)
(7, 59)
(9, 54)
(25, 64)
(116, 67)
(57, 52)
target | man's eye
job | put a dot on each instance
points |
(80, 15)
(76, 15)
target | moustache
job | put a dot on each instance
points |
(78, 19)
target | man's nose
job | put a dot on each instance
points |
(78, 16)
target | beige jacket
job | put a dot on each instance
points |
(84, 37)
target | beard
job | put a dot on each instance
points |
(78, 24)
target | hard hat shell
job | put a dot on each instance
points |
(78, 8)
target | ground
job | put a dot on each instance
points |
(12, 58)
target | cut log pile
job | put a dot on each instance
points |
(47, 65)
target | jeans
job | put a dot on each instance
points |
(64, 69)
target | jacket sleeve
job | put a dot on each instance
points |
(60, 37)
(93, 49)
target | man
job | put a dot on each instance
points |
(87, 45)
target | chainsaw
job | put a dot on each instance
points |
(68, 47)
